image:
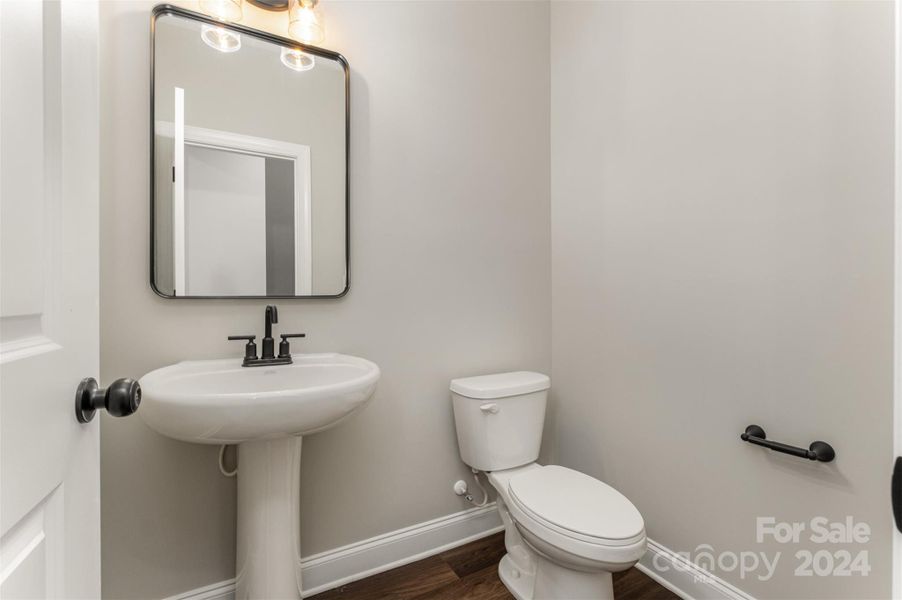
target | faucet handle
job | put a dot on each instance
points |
(250, 349)
(284, 349)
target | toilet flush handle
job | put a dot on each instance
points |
(489, 409)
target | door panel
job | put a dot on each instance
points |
(49, 491)
(31, 555)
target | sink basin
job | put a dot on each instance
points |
(266, 411)
(221, 402)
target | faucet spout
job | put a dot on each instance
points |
(272, 316)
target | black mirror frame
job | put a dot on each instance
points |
(167, 9)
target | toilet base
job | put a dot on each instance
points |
(551, 581)
(519, 584)
(554, 581)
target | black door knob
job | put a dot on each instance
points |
(897, 493)
(121, 399)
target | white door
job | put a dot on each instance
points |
(897, 481)
(49, 463)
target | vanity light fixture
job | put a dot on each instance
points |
(220, 38)
(305, 24)
(305, 21)
(224, 10)
(296, 60)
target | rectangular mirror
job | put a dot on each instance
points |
(249, 188)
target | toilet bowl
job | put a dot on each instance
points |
(566, 533)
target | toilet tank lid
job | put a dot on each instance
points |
(501, 385)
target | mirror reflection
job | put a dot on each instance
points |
(250, 164)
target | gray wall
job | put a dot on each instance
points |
(450, 277)
(722, 225)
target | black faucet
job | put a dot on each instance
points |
(271, 316)
(267, 356)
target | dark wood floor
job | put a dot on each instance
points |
(469, 572)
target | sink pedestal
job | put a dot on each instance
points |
(269, 536)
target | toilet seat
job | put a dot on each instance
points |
(589, 510)
(590, 520)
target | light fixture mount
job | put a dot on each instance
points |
(273, 5)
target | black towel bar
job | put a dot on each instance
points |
(821, 451)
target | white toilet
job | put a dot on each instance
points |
(565, 532)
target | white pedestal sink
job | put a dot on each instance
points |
(265, 410)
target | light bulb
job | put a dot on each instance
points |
(224, 10)
(305, 22)
(296, 60)
(220, 38)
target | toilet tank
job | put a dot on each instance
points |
(499, 418)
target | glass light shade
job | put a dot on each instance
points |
(224, 10)
(220, 38)
(305, 22)
(296, 60)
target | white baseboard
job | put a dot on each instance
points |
(685, 578)
(334, 568)
(337, 567)
(223, 590)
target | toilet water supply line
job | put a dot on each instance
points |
(222, 468)
(460, 488)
